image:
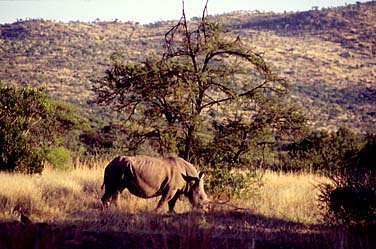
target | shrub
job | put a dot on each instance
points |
(221, 181)
(60, 158)
(226, 176)
(351, 198)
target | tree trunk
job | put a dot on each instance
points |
(189, 142)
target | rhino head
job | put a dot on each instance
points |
(196, 193)
(109, 197)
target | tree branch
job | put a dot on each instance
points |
(247, 93)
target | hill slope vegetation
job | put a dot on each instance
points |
(328, 55)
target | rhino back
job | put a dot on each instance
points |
(152, 175)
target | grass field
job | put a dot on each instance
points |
(283, 213)
(55, 196)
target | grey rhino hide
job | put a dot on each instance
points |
(148, 177)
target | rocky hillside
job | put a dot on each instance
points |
(329, 56)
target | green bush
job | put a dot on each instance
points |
(222, 181)
(60, 158)
(227, 173)
(23, 117)
(30, 122)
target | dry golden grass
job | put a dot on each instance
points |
(290, 196)
(57, 196)
(49, 197)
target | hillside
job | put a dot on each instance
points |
(328, 55)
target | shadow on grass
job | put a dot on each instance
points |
(228, 229)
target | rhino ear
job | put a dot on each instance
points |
(190, 178)
(201, 175)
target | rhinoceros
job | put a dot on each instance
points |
(147, 177)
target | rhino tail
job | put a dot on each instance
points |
(102, 186)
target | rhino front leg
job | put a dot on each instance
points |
(172, 202)
(115, 198)
(166, 197)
